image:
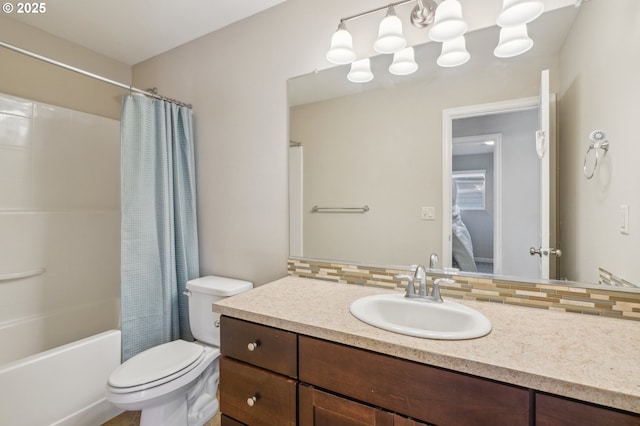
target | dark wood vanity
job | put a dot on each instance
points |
(275, 377)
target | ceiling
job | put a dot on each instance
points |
(132, 31)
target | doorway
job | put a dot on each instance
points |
(491, 156)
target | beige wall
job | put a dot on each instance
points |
(601, 90)
(32, 79)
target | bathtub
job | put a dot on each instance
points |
(63, 386)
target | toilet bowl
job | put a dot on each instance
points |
(175, 383)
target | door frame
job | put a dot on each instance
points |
(497, 192)
(448, 115)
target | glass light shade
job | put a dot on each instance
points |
(454, 53)
(341, 50)
(390, 38)
(518, 12)
(514, 41)
(448, 23)
(404, 62)
(360, 71)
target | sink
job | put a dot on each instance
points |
(414, 317)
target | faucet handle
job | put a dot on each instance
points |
(435, 292)
(411, 289)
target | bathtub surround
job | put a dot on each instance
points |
(159, 236)
(59, 215)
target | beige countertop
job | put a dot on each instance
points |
(588, 358)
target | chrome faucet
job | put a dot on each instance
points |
(420, 275)
(433, 261)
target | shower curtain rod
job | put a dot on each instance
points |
(150, 92)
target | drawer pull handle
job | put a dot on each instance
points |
(251, 401)
(253, 346)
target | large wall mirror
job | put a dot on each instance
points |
(403, 146)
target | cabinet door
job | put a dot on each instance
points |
(554, 411)
(317, 408)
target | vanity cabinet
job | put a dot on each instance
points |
(555, 411)
(274, 377)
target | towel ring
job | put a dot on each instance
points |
(598, 142)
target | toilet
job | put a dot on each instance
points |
(175, 383)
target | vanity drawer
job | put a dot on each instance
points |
(412, 389)
(263, 346)
(275, 395)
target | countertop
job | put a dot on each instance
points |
(588, 358)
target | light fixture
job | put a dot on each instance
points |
(514, 41)
(404, 62)
(341, 50)
(390, 38)
(448, 24)
(518, 12)
(360, 71)
(445, 24)
(454, 53)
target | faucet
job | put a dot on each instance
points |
(433, 261)
(420, 274)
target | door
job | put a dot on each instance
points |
(518, 237)
(317, 408)
(545, 148)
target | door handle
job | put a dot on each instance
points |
(545, 252)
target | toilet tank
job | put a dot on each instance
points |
(203, 292)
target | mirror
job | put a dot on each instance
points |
(380, 145)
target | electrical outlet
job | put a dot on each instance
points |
(428, 213)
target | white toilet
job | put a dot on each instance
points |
(175, 384)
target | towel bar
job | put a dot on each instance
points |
(316, 209)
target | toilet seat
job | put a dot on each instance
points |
(156, 366)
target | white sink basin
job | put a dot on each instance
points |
(447, 320)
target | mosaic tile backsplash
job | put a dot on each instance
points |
(594, 301)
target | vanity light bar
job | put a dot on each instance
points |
(378, 9)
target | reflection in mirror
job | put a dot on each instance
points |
(381, 144)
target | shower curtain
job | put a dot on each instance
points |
(159, 243)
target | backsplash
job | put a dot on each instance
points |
(594, 301)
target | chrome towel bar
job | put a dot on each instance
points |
(316, 209)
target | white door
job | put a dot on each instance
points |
(545, 147)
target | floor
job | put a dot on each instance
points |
(132, 418)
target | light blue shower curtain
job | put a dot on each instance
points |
(159, 243)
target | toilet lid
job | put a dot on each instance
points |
(156, 363)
